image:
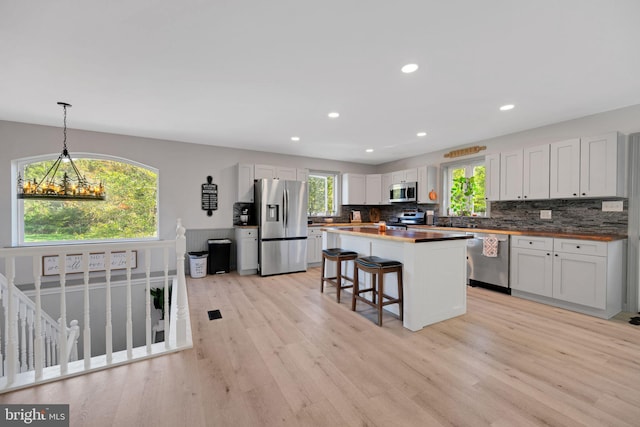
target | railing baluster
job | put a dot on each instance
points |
(147, 299)
(181, 321)
(2, 298)
(30, 340)
(39, 339)
(129, 309)
(109, 326)
(62, 339)
(11, 321)
(86, 341)
(166, 298)
(22, 319)
(48, 361)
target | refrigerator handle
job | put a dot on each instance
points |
(285, 202)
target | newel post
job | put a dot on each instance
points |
(181, 320)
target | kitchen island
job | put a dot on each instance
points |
(434, 268)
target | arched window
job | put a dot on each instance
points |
(130, 211)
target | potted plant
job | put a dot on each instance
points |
(157, 294)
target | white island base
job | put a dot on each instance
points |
(434, 273)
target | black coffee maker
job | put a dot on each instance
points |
(244, 216)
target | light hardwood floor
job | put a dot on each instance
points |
(285, 355)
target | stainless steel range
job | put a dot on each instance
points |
(412, 217)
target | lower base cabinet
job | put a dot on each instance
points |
(247, 246)
(580, 275)
(314, 246)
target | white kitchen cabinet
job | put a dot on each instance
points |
(386, 183)
(245, 183)
(602, 166)
(353, 189)
(580, 279)
(247, 250)
(511, 175)
(302, 175)
(564, 169)
(373, 189)
(586, 275)
(535, 172)
(314, 245)
(275, 172)
(407, 175)
(492, 177)
(427, 183)
(531, 265)
(589, 167)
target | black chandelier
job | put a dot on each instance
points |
(65, 187)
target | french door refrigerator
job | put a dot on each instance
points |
(282, 217)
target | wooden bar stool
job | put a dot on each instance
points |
(378, 267)
(337, 255)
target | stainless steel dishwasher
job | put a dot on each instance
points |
(489, 272)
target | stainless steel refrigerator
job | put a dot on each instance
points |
(282, 217)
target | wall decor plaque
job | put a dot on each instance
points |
(74, 262)
(209, 196)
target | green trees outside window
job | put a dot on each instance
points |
(467, 190)
(129, 212)
(322, 197)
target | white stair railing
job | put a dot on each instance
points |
(34, 330)
(35, 349)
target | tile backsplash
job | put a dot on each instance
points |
(571, 216)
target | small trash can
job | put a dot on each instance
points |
(219, 255)
(198, 264)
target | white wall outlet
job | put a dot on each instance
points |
(615, 206)
(545, 214)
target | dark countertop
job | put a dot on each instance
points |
(407, 236)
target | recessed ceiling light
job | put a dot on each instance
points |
(421, 134)
(369, 150)
(334, 115)
(507, 107)
(409, 68)
(295, 138)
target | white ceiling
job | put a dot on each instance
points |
(252, 74)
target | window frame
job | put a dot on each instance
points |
(336, 192)
(447, 171)
(17, 209)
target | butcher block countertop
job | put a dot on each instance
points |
(555, 234)
(407, 236)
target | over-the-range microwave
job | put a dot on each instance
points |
(403, 192)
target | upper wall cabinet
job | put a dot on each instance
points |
(373, 189)
(564, 170)
(535, 172)
(387, 180)
(407, 175)
(511, 175)
(275, 172)
(524, 174)
(589, 167)
(353, 189)
(302, 175)
(245, 183)
(428, 185)
(492, 177)
(602, 166)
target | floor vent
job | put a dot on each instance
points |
(214, 314)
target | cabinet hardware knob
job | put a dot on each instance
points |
(578, 247)
(556, 254)
(575, 194)
(531, 243)
(525, 197)
(548, 254)
(584, 194)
